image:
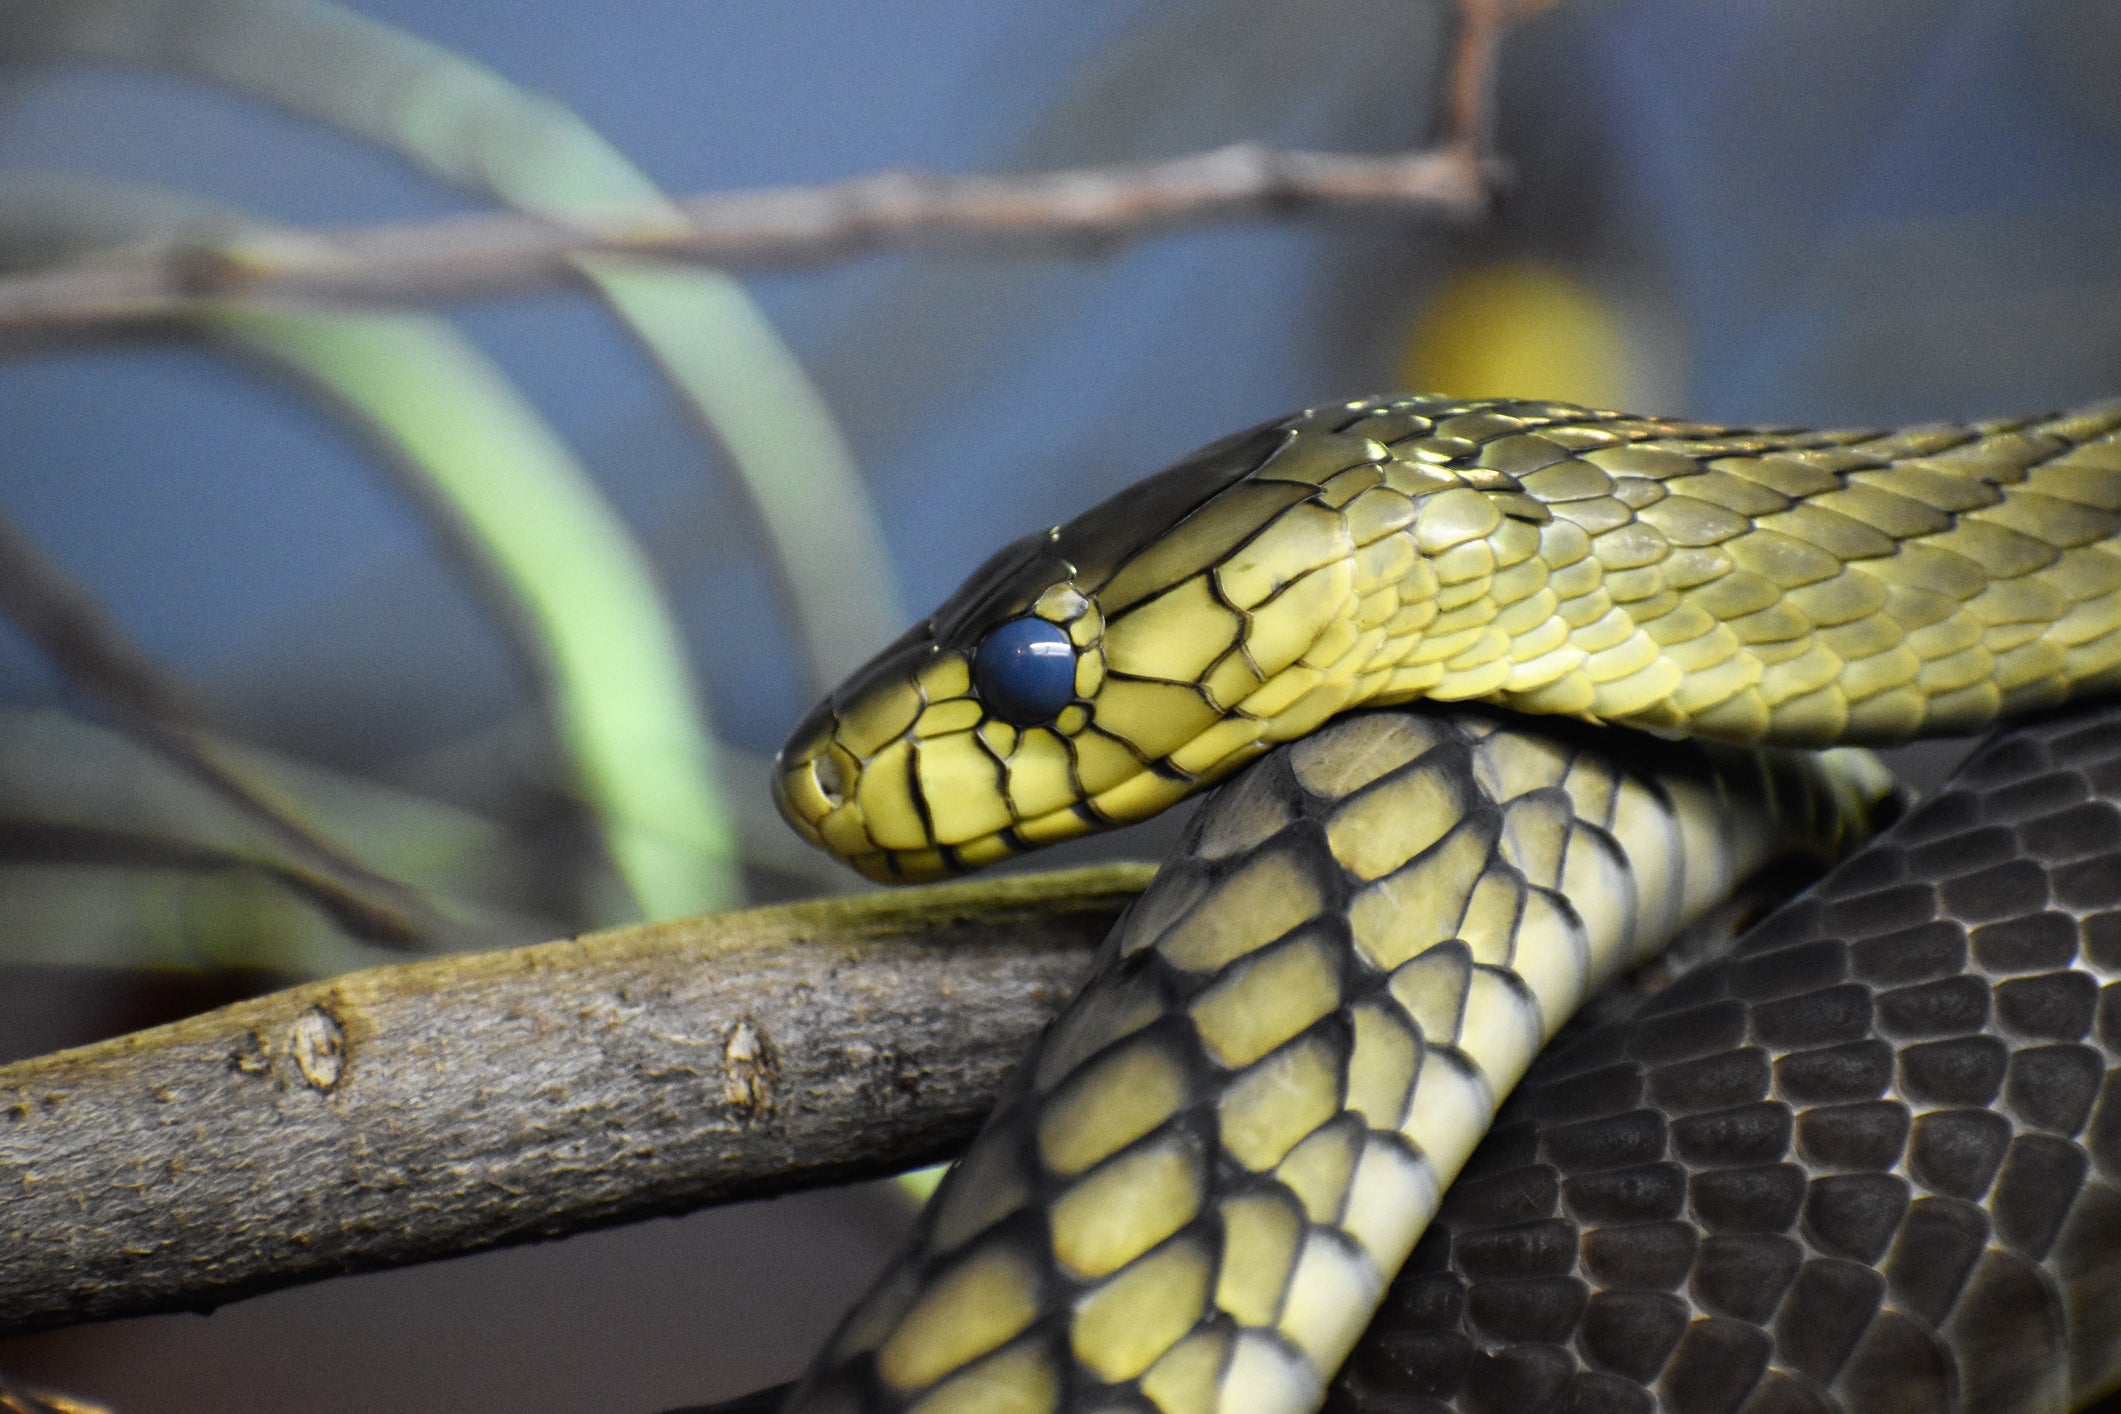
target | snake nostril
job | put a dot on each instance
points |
(831, 778)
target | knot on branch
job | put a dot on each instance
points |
(749, 1068)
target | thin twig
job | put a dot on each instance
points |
(486, 254)
(102, 664)
(441, 1106)
(1470, 110)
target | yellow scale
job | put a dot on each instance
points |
(1805, 588)
(1217, 1158)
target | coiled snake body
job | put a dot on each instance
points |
(1199, 1185)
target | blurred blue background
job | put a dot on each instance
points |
(1785, 211)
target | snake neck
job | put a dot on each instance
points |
(1796, 588)
(1784, 587)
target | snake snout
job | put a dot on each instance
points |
(831, 779)
(809, 780)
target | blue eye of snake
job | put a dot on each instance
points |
(1025, 671)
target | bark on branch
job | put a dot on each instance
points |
(437, 1107)
(488, 254)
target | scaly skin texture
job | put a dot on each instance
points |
(1870, 1162)
(1787, 587)
(1206, 1174)
(1209, 1168)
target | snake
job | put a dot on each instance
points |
(1201, 1184)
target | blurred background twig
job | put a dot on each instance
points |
(460, 257)
(466, 256)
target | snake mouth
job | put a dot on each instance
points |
(812, 792)
(809, 781)
(829, 779)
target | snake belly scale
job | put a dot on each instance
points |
(1204, 1175)
(1201, 1182)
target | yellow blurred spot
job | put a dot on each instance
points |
(1517, 329)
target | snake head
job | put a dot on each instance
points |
(1086, 676)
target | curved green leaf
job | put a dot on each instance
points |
(467, 125)
(623, 699)
(589, 613)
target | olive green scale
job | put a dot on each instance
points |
(1787, 587)
(1213, 1163)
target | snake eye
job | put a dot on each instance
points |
(1025, 670)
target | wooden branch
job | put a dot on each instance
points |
(442, 1106)
(487, 254)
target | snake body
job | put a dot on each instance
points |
(1870, 1162)
(1203, 1179)
(1204, 1175)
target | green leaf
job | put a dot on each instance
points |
(468, 126)
(587, 610)
(622, 698)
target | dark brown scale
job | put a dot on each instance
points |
(1900, 1364)
(2033, 943)
(1616, 1141)
(1783, 1393)
(2008, 890)
(1530, 1378)
(2109, 1018)
(1954, 856)
(1763, 1199)
(2100, 937)
(1712, 1082)
(1790, 971)
(1902, 906)
(2045, 797)
(1824, 1315)
(1859, 1070)
(1965, 1071)
(1538, 1249)
(1815, 1019)
(1607, 1090)
(2088, 884)
(2102, 1137)
(1646, 1256)
(1543, 1309)
(1643, 1194)
(1633, 1333)
(1745, 1276)
(1869, 1134)
(2040, 1181)
(1684, 1035)
(1923, 953)
(2091, 828)
(1950, 1006)
(1867, 1163)
(2057, 1007)
(1855, 1215)
(2054, 1087)
(1717, 1364)
(1748, 1134)
(1593, 1392)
